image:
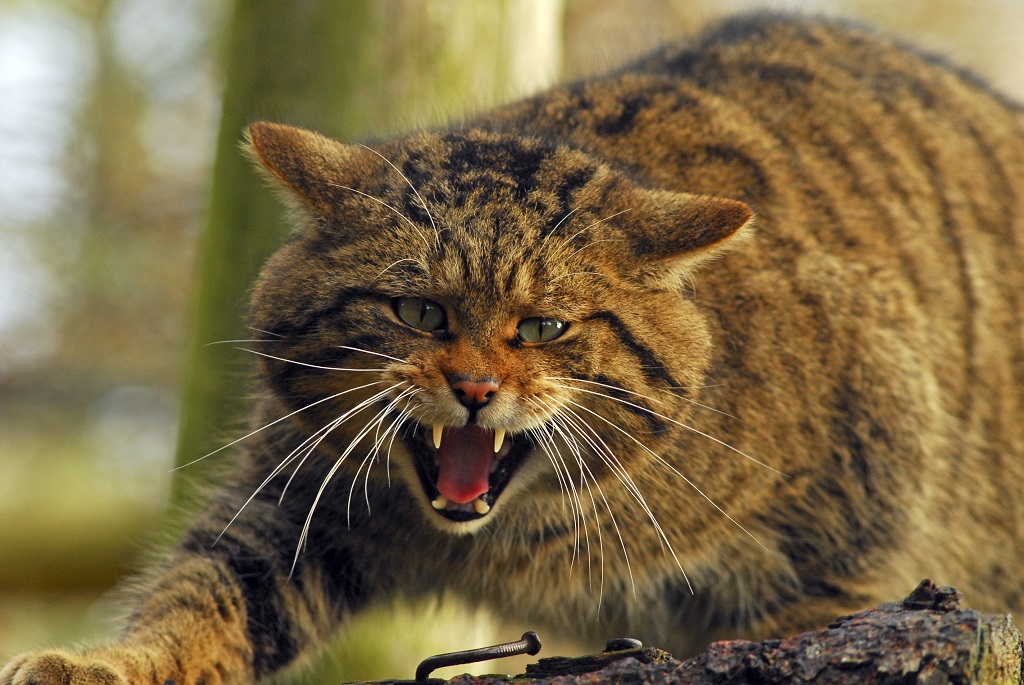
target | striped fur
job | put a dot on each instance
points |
(806, 417)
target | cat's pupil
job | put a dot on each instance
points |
(537, 329)
(420, 313)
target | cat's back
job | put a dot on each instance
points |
(873, 328)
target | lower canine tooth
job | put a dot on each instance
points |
(480, 506)
(440, 503)
(499, 437)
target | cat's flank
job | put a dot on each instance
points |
(727, 343)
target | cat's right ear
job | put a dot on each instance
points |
(319, 172)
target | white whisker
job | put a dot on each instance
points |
(311, 366)
(673, 469)
(395, 263)
(585, 472)
(550, 233)
(373, 452)
(334, 469)
(423, 203)
(586, 477)
(378, 354)
(305, 448)
(276, 421)
(406, 416)
(253, 340)
(678, 423)
(605, 453)
(575, 503)
(637, 394)
(260, 330)
(385, 204)
(569, 240)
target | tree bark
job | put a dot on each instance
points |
(927, 638)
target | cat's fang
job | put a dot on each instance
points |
(440, 503)
(438, 429)
(481, 507)
(499, 438)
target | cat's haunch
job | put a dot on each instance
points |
(724, 344)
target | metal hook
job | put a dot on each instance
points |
(528, 644)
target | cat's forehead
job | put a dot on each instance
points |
(476, 190)
(474, 168)
(492, 259)
(482, 220)
(473, 154)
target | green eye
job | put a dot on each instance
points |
(537, 329)
(421, 314)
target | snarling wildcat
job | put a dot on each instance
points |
(726, 343)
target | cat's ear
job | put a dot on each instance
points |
(318, 171)
(670, 233)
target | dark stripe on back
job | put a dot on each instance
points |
(895, 103)
(757, 186)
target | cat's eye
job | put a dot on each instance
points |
(537, 329)
(421, 314)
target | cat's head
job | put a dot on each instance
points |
(495, 318)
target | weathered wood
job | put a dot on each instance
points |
(927, 638)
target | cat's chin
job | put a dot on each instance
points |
(464, 508)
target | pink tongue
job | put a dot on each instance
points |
(465, 459)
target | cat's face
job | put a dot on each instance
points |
(495, 321)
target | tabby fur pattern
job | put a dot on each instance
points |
(749, 312)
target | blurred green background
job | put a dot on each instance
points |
(114, 115)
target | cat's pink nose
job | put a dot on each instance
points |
(474, 394)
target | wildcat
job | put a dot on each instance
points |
(726, 343)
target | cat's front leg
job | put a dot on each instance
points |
(119, 666)
(190, 627)
(224, 612)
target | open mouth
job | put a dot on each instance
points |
(464, 470)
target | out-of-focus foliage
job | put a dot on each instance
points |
(109, 116)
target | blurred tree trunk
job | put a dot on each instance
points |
(347, 69)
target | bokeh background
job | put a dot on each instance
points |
(110, 112)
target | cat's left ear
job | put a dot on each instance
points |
(670, 233)
(321, 173)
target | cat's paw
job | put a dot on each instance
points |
(59, 668)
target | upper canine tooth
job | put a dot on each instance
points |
(499, 437)
(437, 436)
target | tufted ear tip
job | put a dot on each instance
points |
(287, 152)
(265, 141)
(715, 220)
(729, 216)
(259, 131)
(671, 233)
(311, 166)
(674, 226)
